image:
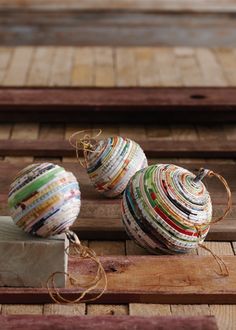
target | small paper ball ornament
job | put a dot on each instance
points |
(44, 199)
(112, 162)
(164, 207)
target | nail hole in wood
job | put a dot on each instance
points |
(198, 96)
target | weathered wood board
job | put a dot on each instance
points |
(104, 221)
(217, 148)
(118, 105)
(107, 322)
(27, 261)
(114, 27)
(148, 5)
(147, 279)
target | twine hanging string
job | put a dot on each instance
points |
(87, 143)
(207, 173)
(85, 253)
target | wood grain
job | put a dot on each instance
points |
(185, 145)
(118, 105)
(108, 322)
(107, 309)
(18, 309)
(225, 316)
(72, 309)
(162, 5)
(17, 72)
(174, 279)
(149, 309)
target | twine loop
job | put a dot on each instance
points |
(200, 175)
(85, 253)
(87, 143)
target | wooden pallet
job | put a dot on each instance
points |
(104, 67)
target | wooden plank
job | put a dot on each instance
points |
(83, 68)
(212, 72)
(234, 247)
(125, 66)
(40, 69)
(190, 310)
(114, 28)
(104, 67)
(139, 5)
(183, 146)
(56, 309)
(109, 105)
(27, 131)
(17, 72)
(107, 322)
(168, 70)
(18, 309)
(209, 133)
(220, 249)
(5, 57)
(174, 279)
(104, 248)
(48, 133)
(149, 310)
(227, 58)
(158, 132)
(131, 132)
(133, 249)
(185, 133)
(62, 67)
(5, 131)
(189, 69)
(147, 70)
(107, 309)
(225, 316)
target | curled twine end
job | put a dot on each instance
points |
(86, 143)
(220, 262)
(85, 253)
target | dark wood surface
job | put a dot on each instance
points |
(117, 105)
(104, 222)
(25, 322)
(162, 148)
(169, 279)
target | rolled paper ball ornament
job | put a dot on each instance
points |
(44, 199)
(167, 209)
(111, 162)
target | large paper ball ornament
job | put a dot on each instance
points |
(44, 199)
(164, 207)
(112, 163)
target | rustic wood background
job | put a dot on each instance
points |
(52, 66)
